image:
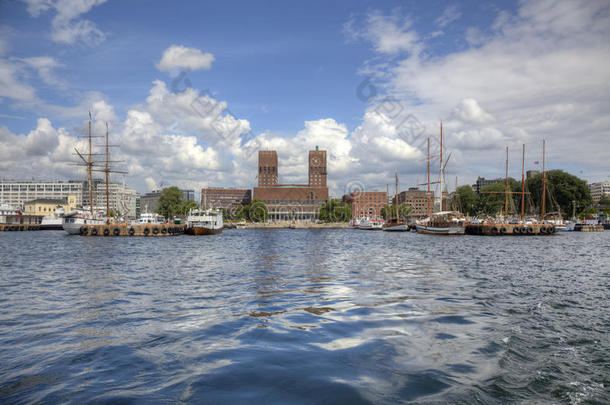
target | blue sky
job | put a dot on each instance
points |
(288, 73)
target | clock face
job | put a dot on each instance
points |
(315, 161)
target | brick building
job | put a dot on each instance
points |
(227, 198)
(366, 203)
(292, 201)
(418, 199)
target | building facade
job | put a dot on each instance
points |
(482, 182)
(17, 193)
(47, 206)
(366, 203)
(227, 198)
(292, 201)
(418, 199)
(599, 190)
(122, 198)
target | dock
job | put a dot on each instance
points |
(589, 228)
(133, 230)
(510, 229)
(19, 227)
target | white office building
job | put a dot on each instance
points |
(598, 190)
(17, 193)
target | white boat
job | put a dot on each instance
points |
(150, 218)
(394, 225)
(73, 222)
(54, 221)
(371, 224)
(204, 222)
(443, 223)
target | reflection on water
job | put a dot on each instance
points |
(304, 316)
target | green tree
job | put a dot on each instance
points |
(467, 200)
(335, 211)
(257, 211)
(491, 202)
(169, 201)
(389, 211)
(562, 190)
(185, 206)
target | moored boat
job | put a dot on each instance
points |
(204, 222)
(443, 223)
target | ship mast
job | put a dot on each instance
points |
(428, 194)
(523, 182)
(89, 167)
(107, 175)
(440, 198)
(506, 188)
(543, 178)
(396, 193)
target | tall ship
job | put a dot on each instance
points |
(204, 222)
(395, 224)
(442, 222)
(79, 220)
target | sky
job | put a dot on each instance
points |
(192, 90)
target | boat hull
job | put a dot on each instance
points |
(441, 230)
(396, 228)
(198, 230)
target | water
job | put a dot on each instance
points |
(304, 316)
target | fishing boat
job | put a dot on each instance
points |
(204, 222)
(442, 222)
(396, 224)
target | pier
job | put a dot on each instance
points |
(510, 229)
(19, 227)
(133, 230)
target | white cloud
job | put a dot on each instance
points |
(180, 57)
(388, 34)
(66, 26)
(10, 84)
(450, 14)
(538, 73)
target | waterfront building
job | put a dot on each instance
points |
(122, 198)
(599, 190)
(418, 199)
(17, 193)
(188, 195)
(531, 174)
(292, 201)
(366, 203)
(226, 198)
(149, 202)
(47, 206)
(482, 182)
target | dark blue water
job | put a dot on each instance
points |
(305, 316)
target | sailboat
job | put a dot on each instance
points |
(442, 222)
(395, 224)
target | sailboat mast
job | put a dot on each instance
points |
(428, 194)
(523, 182)
(107, 176)
(543, 177)
(89, 166)
(506, 188)
(440, 198)
(396, 193)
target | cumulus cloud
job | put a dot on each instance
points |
(67, 26)
(388, 34)
(181, 57)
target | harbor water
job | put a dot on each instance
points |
(304, 316)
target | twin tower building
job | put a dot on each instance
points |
(291, 201)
